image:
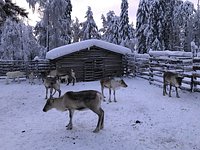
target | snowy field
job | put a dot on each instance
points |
(142, 119)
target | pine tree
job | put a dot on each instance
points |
(142, 25)
(111, 28)
(124, 24)
(76, 31)
(105, 26)
(56, 20)
(89, 28)
(155, 24)
(10, 10)
(41, 33)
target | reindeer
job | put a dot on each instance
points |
(65, 79)
(88, 99)
(13, 75)
(31, 78)
(172, 79)
(72, 76)
(112, 84)
(51, 83)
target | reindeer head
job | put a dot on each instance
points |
(48, 105)
(179, 80)
(122, 83)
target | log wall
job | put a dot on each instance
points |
(91, 64)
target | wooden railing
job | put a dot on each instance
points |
(151, 67)
(25, 66)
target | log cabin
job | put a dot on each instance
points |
(90, 59)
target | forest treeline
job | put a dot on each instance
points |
(160, 25)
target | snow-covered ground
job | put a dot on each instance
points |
(142, 119)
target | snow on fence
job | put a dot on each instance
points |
(36, 67)
(151, 67)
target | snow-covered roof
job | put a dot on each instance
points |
(68, 49)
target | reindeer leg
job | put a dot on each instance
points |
(164, 90)
(59, 91)
(170, 89)
(70, 125)
(67, 81)
(114, 96)
(102, 88)
(102, 120)
(100, 114)
(177, 93)
(51, 91)
(109, 95)
(74, 80)
(7, 82)
(46, 92)
(54, 91)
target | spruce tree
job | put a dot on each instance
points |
(141, 26)
(89, 28)
(124, 23)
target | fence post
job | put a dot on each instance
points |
(150, 71)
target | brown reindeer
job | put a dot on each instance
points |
(88, 99)
(52, 83)
(112, 84)
(171, 79)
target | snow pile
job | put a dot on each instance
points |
(142, 119)
(74, 47)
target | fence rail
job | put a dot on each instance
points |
(151, 67)
(148, 66)
(25, 66)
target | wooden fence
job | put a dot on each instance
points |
(25, 66)
(151, 67)
(148, 66)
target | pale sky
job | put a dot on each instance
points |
(99, 7)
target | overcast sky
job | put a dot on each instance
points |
(99, 7)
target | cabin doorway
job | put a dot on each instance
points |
(93, 69)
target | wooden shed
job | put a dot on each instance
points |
(90, 59)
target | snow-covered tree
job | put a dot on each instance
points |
(141, 25)
(8, 9)
(41, 33)
(56, 20)
(104, 28)
(89, 28)
(194, 49)
(18, 42)
(124, 24)
(182, 21)
(164, 23)
(111, 28)
(156, 45)
(75, 30)
(10, 41)
(197, 25)
(193, 27)
(155, 24)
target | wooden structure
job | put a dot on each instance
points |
(151, 67)
(36, 66)
(90, 59)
